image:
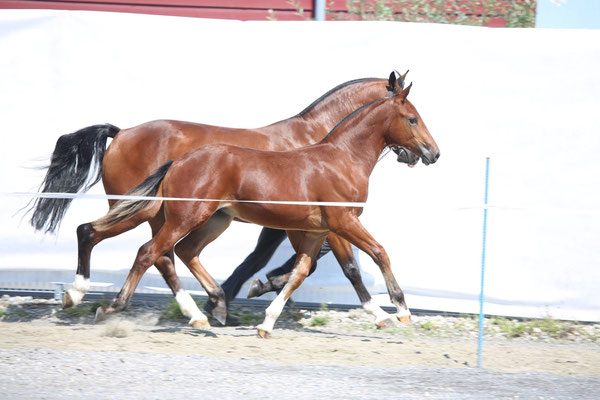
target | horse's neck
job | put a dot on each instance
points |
(311, 125)
(362, 135)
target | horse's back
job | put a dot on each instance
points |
(137, 152)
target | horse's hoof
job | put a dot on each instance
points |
(384, 323)
(220, 316)
(67, 301)
(200, 324)
(100, 315)
(255, 289)
(263, 333)
(405, 319)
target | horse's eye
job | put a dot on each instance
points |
(412, 121)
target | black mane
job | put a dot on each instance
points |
(335, 89)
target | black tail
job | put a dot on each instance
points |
(75, 166)
(123, 209)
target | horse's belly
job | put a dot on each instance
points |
(280, 216)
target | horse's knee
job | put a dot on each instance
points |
(351, 271)
(145, 258)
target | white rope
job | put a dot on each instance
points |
(545, 210)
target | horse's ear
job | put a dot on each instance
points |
(401, 78)
(404, 93)
(392, 82)
(404, 78)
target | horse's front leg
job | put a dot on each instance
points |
(347, 225)
(307, 245)
(342, 250)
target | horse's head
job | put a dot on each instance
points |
(407, 132)
(404, 155)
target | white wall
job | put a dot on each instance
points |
(527, 98)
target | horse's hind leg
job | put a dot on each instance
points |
(88, 237)
(267, 243)
(307, 245)
(273, 284)
(191, 246)
(147, 255)
(166, 266)
(278, 277)
(342, 250)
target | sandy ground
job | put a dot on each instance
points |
(139, 331)
(149, 352)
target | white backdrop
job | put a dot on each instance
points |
(527, 98)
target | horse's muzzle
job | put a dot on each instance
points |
(428, 156)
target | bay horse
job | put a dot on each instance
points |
(336, 169)
(136, 152)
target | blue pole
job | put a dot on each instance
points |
(485, 213)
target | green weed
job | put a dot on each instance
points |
(86, 309)
(250, 319)
(429, 327)
(172, 311)
(319, 321)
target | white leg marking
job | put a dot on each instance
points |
(402, 311)
(374, 309)
(188, 306)
(79, 289)
(273, 312)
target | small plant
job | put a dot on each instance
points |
(271, 15)
(319, 321)
(85, 309)
(79, 311)
(172, 311)
(519, 330)
(299, 9)
(2, 314)
(429, 327)
(591, 336)
(324, 307)
(94, 306)
(509, 327)
(553, 328)
(250, 319)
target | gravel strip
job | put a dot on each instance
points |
(52, 374)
